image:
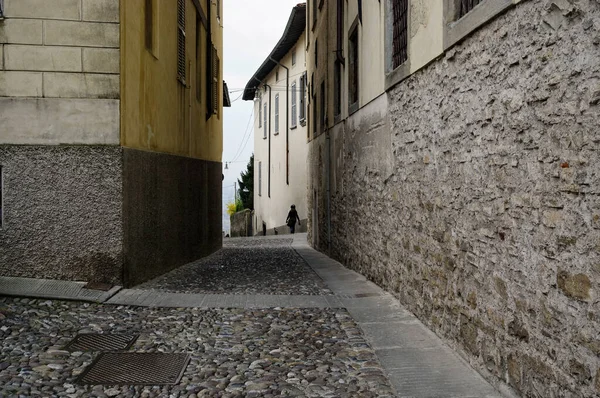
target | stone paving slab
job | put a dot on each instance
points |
(418, 363)
(54, 289)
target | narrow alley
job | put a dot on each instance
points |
(262, 317)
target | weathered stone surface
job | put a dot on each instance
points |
(81, 85)
(40, 58)
(577, 286)
(89, 34)
(101, 10)
(20, 84)
(101, 60)
(21, 31)
(55, 9)
(493, 164)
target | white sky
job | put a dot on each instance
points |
(251, 29)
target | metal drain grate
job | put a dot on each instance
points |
(131, 368)
(101, 342)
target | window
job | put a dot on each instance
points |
(323, 109)
(1, 9)
(466, 6)
(314, 119)
(294, 57)
(219, 10)
(198, 58)
(302, 98)
(316, 53)
(259, 178)
(294, 110)
(265, 119)
(277, 75)
(277, 114)
(216, 72)
(259, 112)
(337, 83)
(181, 41)
(314, 10)
(149, 25)
(353, 70)
(400, 32)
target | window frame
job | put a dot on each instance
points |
(260, 112)
(294, 106)
(353, 68)
(302, 102)
(276, 127)
(265, 121)
(394, 75)
(260, 178)
(181, 43)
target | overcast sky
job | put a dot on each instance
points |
(251, 30)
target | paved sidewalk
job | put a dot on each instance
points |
(251, 282)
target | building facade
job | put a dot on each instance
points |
(453, 161)
(111, 137)
(278, 89)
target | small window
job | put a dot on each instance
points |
(219, 10)
(314, 119)
(277, 75)
(337, 82)
(198, 58)
(259, 178)
(277, 114)
(323, 108)
(294, 110)
(466, 6)
(314, 7)
(181, 41)
(353, 70)
(316, 53)
(266, 121)
(294, 57)
(260, 113)
(216, 77)
(1, 9)
(400, 32)
(149, 24)
(302, 98)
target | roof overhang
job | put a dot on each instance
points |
(294, 29)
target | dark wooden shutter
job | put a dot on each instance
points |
(400, 40)
(216, 66)
(181, 41)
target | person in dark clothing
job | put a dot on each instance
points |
(291, 219)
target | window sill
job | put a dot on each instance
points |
(294, 127)
(275, 133)
(397, 75)
(352, 108)
(484, 12)
(303, 122)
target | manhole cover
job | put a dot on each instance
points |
(101, 342)
(131, 368)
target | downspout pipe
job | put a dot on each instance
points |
(287, 120)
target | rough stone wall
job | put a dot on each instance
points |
(62, 216)
(488, 225)
(241, 223)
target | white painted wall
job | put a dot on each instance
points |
(273, 210)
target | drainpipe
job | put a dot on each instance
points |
(287, 120)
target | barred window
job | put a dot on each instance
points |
(353, 70)
(181, 41)
(277, 114)
(302, 97)
(466, 6)
(400, 35)
(294, 110)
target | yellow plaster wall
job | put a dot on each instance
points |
(158, 113)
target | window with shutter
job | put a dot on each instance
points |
(216, 68)
(302, 98)
(277, 114)
(294, 110)
(266, 121)
(181, 41)
(260, 113)
(259, 178)
(353, 70)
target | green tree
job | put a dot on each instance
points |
(246, 185)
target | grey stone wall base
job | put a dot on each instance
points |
(53, 289)
(487, 228)
(62, 216)
(169, 217)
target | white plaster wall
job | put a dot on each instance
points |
(426, 32)
(273, 210)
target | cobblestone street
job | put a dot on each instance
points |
(247, 350)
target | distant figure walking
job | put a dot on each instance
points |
(291, 219)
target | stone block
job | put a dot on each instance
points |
(59, 121)
(1, 56)
(21, 31)
(87, 34)
(101, 10)
(575, 286)
(44, 9)
(101, 60)
(40, 58)
(20, 84)
(81, 85)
